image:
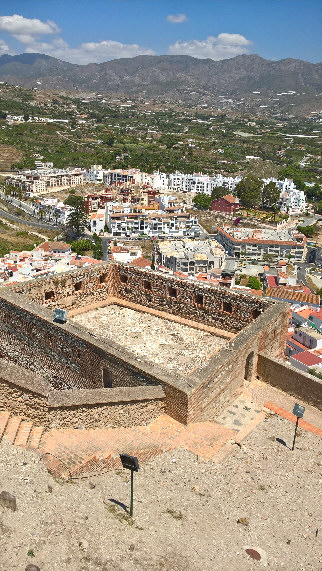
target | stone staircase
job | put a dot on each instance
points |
(73, 453)
(20, 432)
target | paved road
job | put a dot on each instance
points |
(33, 223)
(302, 267)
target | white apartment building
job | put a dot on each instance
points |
(98, 221)
(132, 222)
(249, 243)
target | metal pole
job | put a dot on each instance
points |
(131, 505)
(297, 421)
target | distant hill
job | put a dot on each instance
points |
(167, 77)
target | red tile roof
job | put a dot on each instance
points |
(230, 198)
(307, 358)
(288, 293)
(272, 281)
(258, 241)
(141, 263)
(50, 246)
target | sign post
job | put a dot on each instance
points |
(130, 463)
(298, 411)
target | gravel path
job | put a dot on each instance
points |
(185, 513)
(171, 345)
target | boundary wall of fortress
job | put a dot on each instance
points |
(77, 365)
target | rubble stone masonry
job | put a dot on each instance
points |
(73, 361)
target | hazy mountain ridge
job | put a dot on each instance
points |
(165, 76)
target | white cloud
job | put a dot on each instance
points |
(90, 52)
(27, 32)
(4, 48)
(25, 29)
(221, 47)
(176, 18)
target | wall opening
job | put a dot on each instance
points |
(249, 366)
(123, 278)
(198, 298)
(49, 295)
(227, 307)
(78, 286)
(147, 285)
(103, 279)
(172, 291)
(107, 379)
(256, 313)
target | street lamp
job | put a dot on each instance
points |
(298, 411)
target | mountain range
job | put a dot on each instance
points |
(166, 77)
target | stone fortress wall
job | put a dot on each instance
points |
(94, 382)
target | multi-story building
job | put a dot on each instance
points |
(128, 221)
(253, 244)
(227, 204)
(190, 256)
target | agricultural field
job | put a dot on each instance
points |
(119, 133)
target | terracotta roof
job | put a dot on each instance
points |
(258, 241)
(50, 246)
(272, 281)
(288, 293)
(230, 198)
(141, 263)
(307, 358)
(119, 250)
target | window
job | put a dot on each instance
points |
(49, 295)
(147, 285)
(78, 286)
(103, 279)
(198, 299)
(107, 379)
(123, 278)
(227, 307)
(172, 292)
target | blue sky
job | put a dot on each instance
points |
(84, 31)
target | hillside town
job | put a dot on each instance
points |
(130, 205)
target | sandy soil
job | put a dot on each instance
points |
(185, 513)
(175, 347)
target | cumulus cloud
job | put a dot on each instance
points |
(4, 48)
(176, 18)
(25, 29)
(218, 47)
(28, 31)
(90, 52)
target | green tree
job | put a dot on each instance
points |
(98, 248)
(270, 195)
(308, 231)
(254, 283)
(248, 191)
(81, 246)
(77, 218)
(314, 193)
(218, 192)
(202, 201)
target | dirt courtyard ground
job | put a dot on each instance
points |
(175, 347)
(188, 515)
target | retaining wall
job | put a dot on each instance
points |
(29, 396)
(283, 376)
